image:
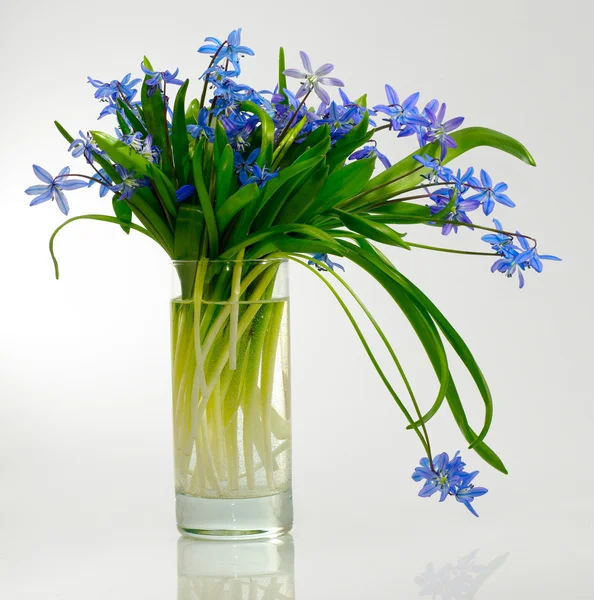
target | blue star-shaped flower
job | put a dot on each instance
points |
(489, 194)
(230, 50)
(202, 126)
(53, 188)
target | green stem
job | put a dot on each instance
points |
(450, 250)
(369, 353)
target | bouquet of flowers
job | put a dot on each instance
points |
(233, 181)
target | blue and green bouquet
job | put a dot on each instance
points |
(239, 174)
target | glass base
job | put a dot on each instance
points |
(234, 518)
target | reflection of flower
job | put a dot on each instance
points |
(457, 582)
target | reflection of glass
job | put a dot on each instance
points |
(236, 570)
(457, 582)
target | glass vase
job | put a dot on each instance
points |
(231, 398)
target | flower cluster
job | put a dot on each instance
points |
(514, 259)
(240, 172)
(449, 478)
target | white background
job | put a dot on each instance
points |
(86, 498)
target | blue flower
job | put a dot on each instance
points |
(501, 243)
(84, 146)
(529, 257)
(111, 109)
(314, 79)
(230, 50)
(464, 181)
(439, 131)
(324, 258)
(339, 119)
(156, 77)
(104, 180)
(402, 117)
(438, 171)
(489, 193)
(261, 175)
(239, 128)
(228, 95)
(130, 183)
(244, 166)
(457, 211)
(185, 192)
(53, 188)
(465, 491)
(443, 477)
(148, 151)
(449, 478)
(202, 127)
(515, 259)
(359, 109)
(368, 151)
(110, 90)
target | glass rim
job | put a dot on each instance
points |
(220, 261)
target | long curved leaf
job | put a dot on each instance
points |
(372, 230)
(396, 286)
(179, 137)
(126, 156)
(243, 197)
(104, 218)
(267, 129)
(205, 201)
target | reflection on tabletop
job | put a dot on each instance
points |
(229, 570)
(264, 570)
(457, 582)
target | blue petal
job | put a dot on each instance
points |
(43, 174)
(35, 190)
(61, 201)
(47, 195)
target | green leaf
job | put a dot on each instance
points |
(394, 283)
(205, 201)
(343, 184)
(277, 190)
(286, 243)
(282, 78)
(406, 174)
(401, 213)
(104, 218)
(148, 211)
(318, 150)
(372, 230)
(123, 212)
(225, 175)
(301, 199)
(462, 350)
(243, 197)
(66, 135)
(267, 132)
(345, 146)
(254, 238)
(134, 121)
(154, 112)
(192, 112)
(126, 156)
(221, 141)
(362, 101)
(122, 123)
(179, 137)
(286, 143)
(188, 233)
